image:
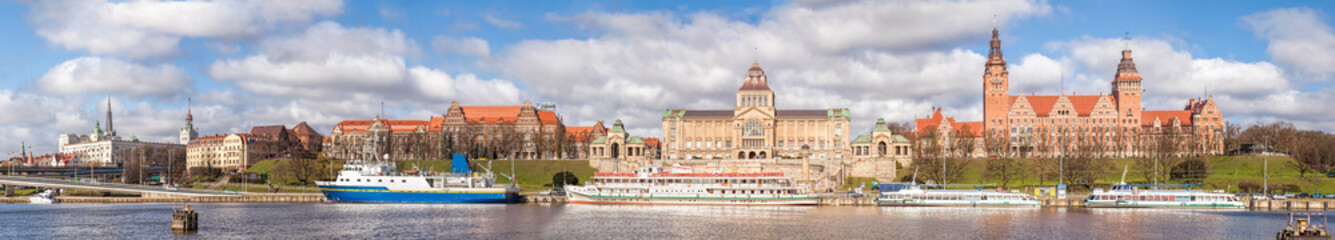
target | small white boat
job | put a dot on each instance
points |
(44, 197)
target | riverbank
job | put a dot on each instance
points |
(268, 198)
(1225, 173)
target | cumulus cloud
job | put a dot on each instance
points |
(1172, 75)
(148, 29)
(502, 23)
(113, 76)
(880, 58)
(1298, 38)
(332, 62)
(471, 46)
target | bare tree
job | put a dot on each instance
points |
(1003, 166)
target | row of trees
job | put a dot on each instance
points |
(1068, 157)
(1312, 151)
(139, 162)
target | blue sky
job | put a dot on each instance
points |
(247, 63)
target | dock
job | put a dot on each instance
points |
(1304, 204)
(273, 198)
(537, 198)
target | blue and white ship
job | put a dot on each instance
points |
(381, 182)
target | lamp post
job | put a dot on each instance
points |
(1265, 173)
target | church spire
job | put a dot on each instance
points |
(188, 115)
(110, 129)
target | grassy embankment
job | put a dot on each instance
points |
(531, 175)
(1225, 173)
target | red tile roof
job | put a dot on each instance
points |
(1165, 117)
(490, 114)
(651, 142)
(975, 129)
(582, 133)
(547, 117)
(1084, 104)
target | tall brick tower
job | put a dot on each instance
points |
(996, 87)
(1126, 88)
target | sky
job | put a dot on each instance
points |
(243, 63)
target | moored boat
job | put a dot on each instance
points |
(917, 195)
(683, 187)
(365, 181)
(1123, 195)
(44, 197)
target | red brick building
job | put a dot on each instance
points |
(1109, 124)
(509, 132)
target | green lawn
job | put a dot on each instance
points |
(531, 175)
(1225, 174)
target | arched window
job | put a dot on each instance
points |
(754, 129)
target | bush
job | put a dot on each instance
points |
(1249, 186)
(560, 179)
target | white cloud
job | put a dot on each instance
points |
(502, 23)
(882, 59)
(1171, 75)
(150, 29)
(1298, 38)
(465, 88)
(471, 46)
(329, 62)
(324, 39)
(112, 76)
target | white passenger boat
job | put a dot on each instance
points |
(917, 195)
(1131, 196)
(382, 182)
(45, 197)
(682, 187)
(1122, 195)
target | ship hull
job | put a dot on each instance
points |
(1152, 204)
(385, 195)
(582, 198)
(946, 203)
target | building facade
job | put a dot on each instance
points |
(231, 152)
(104, 147)
(1110, 124)
(882, 144)
(510, 132)
(299, 141)
(755, 129)
(619, 150)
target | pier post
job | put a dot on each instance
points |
(185, 220)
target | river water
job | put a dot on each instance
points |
(541, 221)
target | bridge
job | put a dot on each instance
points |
(142, 190)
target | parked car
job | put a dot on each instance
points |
(1259, 196)
(853, 194)
(1279, 197)
(1330, 174)
(1303, 195)
(558, 192)
(1289, 195)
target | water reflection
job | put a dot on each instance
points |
(361, 221)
